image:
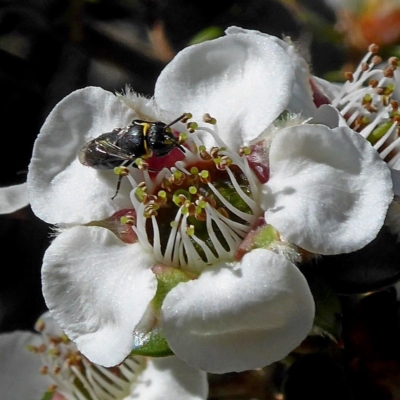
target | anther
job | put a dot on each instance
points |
(192, 189)
(204, 176)
(376, 60)
(150, 211)
(142, 165)
(373, 83)
(40, 325)
(349, 76)
(192, 126)
(44, 370)
(393, 61)
(186, 117)
(373, 48)
(388, 72)
(128, 220)
(244, 151)
(207, 118)
(214, 151)
(190, 230)
(149, 198)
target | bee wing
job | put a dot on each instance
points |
(113, 150)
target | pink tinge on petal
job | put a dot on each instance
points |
(58, 396)
(120, 223)
(258, 163)
(248, 242)
(318, 97)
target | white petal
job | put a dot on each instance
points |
(329, 116)
(235, 319)
(20, 377)
(301, 100)
(329, 89)
(170, 378)
(13, 198)
(329, 190)
(60, 188)
(244, 81)
(97, 289)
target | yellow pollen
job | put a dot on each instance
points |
(121, 170)
(190, 230)
(182, 137)
(192, 126)
(127, 220)
(244, 151)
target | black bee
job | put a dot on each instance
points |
(122, 146)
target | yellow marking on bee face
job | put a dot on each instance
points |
(146, 128)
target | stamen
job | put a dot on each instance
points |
(172, 238)
(77, 378)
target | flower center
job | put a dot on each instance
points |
(201, 209)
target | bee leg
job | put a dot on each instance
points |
(118, 186)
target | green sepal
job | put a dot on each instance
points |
(167, 278)
(48, 395)
(265, 236)
(151, 344)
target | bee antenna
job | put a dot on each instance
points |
(176, 143)
(176, 120)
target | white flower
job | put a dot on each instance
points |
(35, 364)
(368, 103)
(180, 266)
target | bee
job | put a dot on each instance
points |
(123, 146)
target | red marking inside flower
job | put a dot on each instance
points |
(121, 229)
(318, 97)
(258, 162)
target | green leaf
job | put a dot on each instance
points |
(212, 32)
